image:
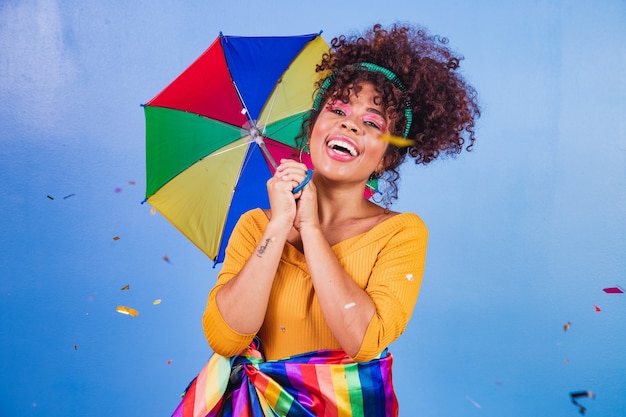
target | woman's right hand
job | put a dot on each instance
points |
(280, 187)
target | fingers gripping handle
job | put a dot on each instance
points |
(299, 187)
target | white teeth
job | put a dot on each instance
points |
(335, 143)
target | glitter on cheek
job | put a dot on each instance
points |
(349, 306)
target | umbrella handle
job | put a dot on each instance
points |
(299, 187)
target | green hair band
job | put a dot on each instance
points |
(368, 66)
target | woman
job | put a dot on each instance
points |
(314, 289)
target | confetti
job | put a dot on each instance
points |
(349, 306)
(474, 403)
(132, 182)
(68, 196)
(116, 238)
(566, 361)
(566, 326)
(409, 277)
(597, 308)
(169, 361)
(75, 347)
(153, 211)
(613, 290)
(166, 258)
(127, 310)
(51, 198)
(580, 394)
(157, 301)
(282, 329)
(125, 287)
(396, 140)
(118, 190)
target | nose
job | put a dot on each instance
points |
(350, 125)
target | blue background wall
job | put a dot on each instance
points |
(526, 231)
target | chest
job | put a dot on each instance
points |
(337, 233)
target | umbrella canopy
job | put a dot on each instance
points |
(213, 134)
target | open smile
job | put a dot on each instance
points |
(343, 146)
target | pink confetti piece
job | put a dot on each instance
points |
(118, 190)
(613, 290)
(597, 308)
(166, 258)
(169, 361)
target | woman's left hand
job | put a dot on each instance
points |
(306, 208)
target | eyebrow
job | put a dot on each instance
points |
(375, 111)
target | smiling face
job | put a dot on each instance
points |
(344, 141)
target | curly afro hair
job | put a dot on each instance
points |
(444, 106)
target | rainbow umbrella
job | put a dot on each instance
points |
(213, 135)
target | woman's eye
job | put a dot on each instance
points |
(373, 124)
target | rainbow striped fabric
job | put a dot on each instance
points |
(322, 383)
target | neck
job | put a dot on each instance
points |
(341, 203)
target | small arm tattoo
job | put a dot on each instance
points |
(263, 248)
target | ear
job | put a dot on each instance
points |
(383, 164)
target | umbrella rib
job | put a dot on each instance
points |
(269, 112)
(212, 154)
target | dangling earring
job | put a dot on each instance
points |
(302, 148)
(374, 184)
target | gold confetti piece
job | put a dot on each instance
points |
(566, 326)
(153, 211)
(349, 306)
(127, 310)
(116, 238)
(125, 287)
(166, 258)
(409, 277)
(157, 301)
(396, 140)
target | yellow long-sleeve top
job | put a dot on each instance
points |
(387, 262)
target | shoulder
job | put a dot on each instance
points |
(251, 222)
(403, 222)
